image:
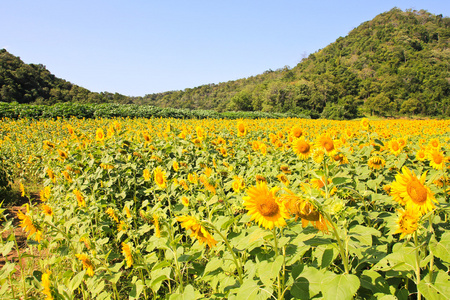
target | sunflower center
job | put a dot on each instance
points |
(395, 146)
(416, 191)
(303, 147)
(408, 224)
(268, 208)
(437, 158)
(328, 145)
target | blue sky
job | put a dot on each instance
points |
(139, 47)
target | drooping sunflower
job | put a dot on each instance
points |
(87, 264)
(197, 230)
(47, 210)
(410, 191)
(376, 162)
(263, 206)
(156, 223)
(126, 251)
(407, 222)
(283, 178)
(29, 226)
(304, 208)
(302, 148)
(80, 198)
(160, 177)
(437, 159)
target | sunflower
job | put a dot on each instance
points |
(394, 147)
(296, 132)
(376, 162)
(263, 206)
(185, 201)
(47, 285)
(45, 193)
(47, 210)
(421, 155)
(238, 184)
(302, 148)
(437, 159)
(241, 129)
(146, 174)
(305, 209)
(365, 123)
(87, 264)
(198, 231)
(434, 144)
(62, 155)
(22, 190)
(407, 222)
(160, 177)
(29, 226)
(156, 223)
(79, 197)
(110, 212)
(283, 178)
(126, 251)
(175, 166)
(100, 135)
(326, 143)
(409, 190)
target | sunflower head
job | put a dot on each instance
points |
(264, 206)
(407, 222)
(302, 148)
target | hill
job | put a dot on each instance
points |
(396, 64)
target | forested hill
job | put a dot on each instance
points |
(33, 83)
(396, 64)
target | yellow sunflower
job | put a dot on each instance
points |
(198, 231)
(160, 177)
(87, 264)
(395, 147)
(263, 206)
(126, 251)
(296, 131)
(437, 159)
(326, 143)
(407, 222)
(421, 155)
(409, 190)
(241, 129)
(302, 148)
(365, 124)
(99, 135)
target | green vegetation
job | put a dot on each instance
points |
(396, 64)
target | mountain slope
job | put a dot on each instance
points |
(397, 63)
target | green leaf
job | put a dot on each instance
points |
(136, 290)
(373, 281)
(308, 284)
(340, 287)
(76, 281)
(441, 249)
(213, 265)
(7, 269)
(439, 288)
(249, 291)
(188, 294)
(6, 249)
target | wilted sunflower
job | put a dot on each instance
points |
(87, 264)
(198, 231)
(376, 162)
(407, 222)
(263, 206)
(302, 148)
(409, 190)
(160, 177)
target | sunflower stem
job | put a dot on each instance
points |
(416, 244)
(237, 262)
(342, 249)
(325, 172)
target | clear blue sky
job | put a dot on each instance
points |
(139, 47)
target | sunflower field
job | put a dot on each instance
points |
(288, 208)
